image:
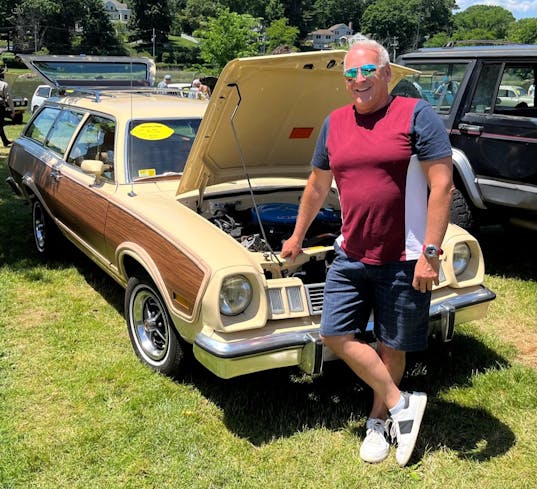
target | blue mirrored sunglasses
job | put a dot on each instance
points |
(368, 71)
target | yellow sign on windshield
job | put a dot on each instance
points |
(152, 131)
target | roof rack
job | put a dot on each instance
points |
(477, 42)
(107, 91)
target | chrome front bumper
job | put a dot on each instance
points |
(304, 348)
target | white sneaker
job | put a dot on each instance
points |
(374, 448)
(406, 425)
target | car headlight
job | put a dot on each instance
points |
(461, 258)
(235, 295)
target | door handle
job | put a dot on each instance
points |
(56, 175)
(471, 129)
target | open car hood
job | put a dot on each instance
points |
(77, 72)
(264, 117)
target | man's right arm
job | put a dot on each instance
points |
(317, 188)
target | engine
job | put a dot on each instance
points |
(277, 220)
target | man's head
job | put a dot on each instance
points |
(168, 78)
(367, 73)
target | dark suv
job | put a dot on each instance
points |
(486, 97)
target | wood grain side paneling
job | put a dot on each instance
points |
(182, 276)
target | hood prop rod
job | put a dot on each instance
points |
(243, 161)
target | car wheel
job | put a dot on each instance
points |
(461, 212)
(45, 231)
(150, 327)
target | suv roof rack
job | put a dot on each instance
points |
(477, 42)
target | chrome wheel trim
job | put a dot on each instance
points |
(149, 324)
(40, 231)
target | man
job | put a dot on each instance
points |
(165, 81)
(387, 257)
(5, 101)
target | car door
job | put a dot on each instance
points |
(76, 199)
(500, 140)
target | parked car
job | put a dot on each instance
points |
(20, 105)
(185, 203)
(514, 96)
(41, 93)
(478, 91)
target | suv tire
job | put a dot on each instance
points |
(461, 213)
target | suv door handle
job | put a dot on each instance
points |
(471, 129)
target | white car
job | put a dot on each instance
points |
(42, 92)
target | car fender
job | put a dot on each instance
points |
(464, 169)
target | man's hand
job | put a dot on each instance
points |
(426, 273)
(291, 248)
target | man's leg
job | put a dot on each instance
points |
(367, 364)
(395, 362)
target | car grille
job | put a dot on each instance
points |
(289, 299)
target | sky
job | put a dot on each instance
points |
(519, 8)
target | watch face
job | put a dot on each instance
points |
(431, 251)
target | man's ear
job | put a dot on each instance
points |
(388, 71)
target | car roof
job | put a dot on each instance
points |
(134, 105)
(504, 50)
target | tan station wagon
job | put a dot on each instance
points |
(185, 203)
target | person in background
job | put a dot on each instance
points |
(5, 103)
(387, 256)
(165, 81)
(194, 89)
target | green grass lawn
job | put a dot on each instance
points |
(78, 410)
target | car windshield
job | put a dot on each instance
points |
(159, 147)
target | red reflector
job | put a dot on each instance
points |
(301, 132)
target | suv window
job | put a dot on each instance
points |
(95, 142)
(437, 83)
(510, 97)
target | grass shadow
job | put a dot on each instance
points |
(264, 406)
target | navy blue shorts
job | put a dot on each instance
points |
(353, 289)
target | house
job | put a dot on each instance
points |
(338, 34)
(117, 11)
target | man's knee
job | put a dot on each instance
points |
(336, 343)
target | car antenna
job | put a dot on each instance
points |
(243, 161)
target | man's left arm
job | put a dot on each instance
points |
(439, 178)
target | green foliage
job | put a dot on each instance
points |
(280, 32)
(150, 16)
(478, 20)
(98, 36)
(523, 31)
(229, 36)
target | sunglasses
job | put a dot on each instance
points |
(368, 71)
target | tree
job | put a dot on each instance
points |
(331, 12)
(150, 16)
(229, 36)
(191, 14)
(482, 20)
(523, 31)
(98, 35)
(394, 23)
(280, 32)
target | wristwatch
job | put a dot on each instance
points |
(431, 250)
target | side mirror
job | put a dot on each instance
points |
(92, 167)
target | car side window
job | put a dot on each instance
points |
(40, 126)
(438, 83)
(513, 94)
(62, 131)
(95, 141)
(484, 94)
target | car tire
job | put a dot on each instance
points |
(461, 212)
(44, 230)
(151, 331)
